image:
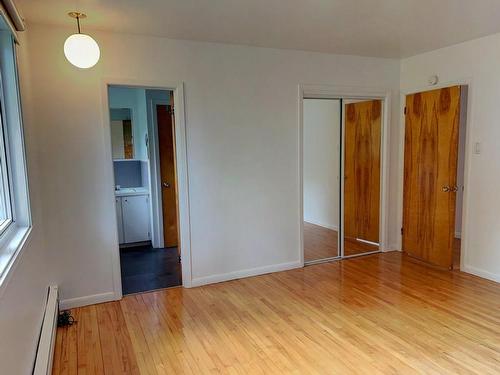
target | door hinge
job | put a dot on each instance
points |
(402, 231)
(179, 258)
(405, 111)
(171, 110)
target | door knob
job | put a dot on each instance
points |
(166, 185)
(446, 189)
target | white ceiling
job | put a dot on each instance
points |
(382, 28)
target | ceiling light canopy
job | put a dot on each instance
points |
(81, 50)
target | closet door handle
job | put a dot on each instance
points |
(446, 189)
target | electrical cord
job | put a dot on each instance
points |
(65, 319)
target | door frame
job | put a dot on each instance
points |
(181, 165)
(467, 160)
(155, 175)
(346, 93)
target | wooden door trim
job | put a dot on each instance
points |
(468, 82)
(182, 168)
(346, 93)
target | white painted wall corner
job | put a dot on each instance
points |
(245, 273)
(72, 303)
(481, 273)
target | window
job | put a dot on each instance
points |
(5, 207)
(15, 216)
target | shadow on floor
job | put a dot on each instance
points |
(144, 268)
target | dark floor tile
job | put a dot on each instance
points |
(145, 268)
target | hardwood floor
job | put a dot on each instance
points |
(319, 242)
(322, 243)
(352, 246)
(379, 314)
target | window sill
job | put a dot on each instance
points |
(11, 247)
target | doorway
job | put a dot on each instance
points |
(434, 144)
(145, 263)
(342, 176)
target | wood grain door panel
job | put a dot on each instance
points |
(430, 166)
(362, 176)
(168, 175)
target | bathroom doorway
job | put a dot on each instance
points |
(143, 153)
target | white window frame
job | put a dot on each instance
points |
(5, 166)
(4, 169)
(15, 231)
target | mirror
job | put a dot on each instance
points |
(122, 140)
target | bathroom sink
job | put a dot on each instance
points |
(131, 191)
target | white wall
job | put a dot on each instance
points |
(477, 61)
(242, 142)
(22, 301)
(321, 162)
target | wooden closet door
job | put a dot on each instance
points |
(430, 174)
(362, 176)
(167, 171)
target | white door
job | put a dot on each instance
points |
(135, 213)
(119, 219)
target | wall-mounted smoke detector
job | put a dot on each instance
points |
(433, 80)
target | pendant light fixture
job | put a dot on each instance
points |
(81, 50)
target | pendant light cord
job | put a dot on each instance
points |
(78, 23)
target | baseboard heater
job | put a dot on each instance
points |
(46, 344)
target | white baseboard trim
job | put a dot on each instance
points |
(72, 303)
(245, 273)
(333, 227)
(393, 247)
(481, 273)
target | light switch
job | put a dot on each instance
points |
(477, 148)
